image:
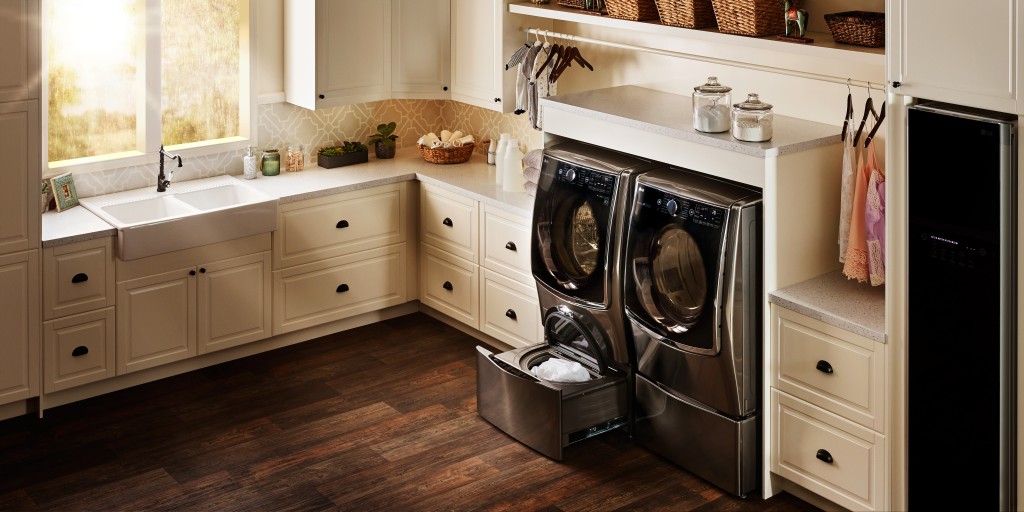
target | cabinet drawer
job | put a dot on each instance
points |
(449, 222)
(347, 223)
(826, 454)
(338, 288)
(509, 310)
(829, 367)
(449, 284)
(505, 242)
(78, 349)
(78, 277)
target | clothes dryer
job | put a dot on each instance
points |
(693, 303)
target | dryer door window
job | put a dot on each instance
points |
(673, 285)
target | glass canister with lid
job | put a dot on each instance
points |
(752, 120)
(711, 103)
(295, 160)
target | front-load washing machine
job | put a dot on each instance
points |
(579, 212)
(693, 299)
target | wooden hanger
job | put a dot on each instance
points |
(556, 50)
(849, 110)
(878, 122)
(869, 109)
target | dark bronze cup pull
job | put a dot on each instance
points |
(823, 366)
(80, 278)
(824, 456)
(342, 288)
(448, 286)
(80, 350)
(510, 246)
(511, 314)
(341, 224)
(447, 222)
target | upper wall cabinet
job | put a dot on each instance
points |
(346, 59)
(968, 54)
(421, 49)
(19, 37)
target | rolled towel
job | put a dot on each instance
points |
(534, 158)
(429, 139)
(530, 188)
(532, 174)
(436, 144)
(446, 135)
(462, 141)
(455, 136)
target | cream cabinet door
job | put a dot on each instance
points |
(233, 302)
(156, 320)
(968, 54)
(20, 324)
(344, 59)
(19, 37)
(421, 53)
(78, 277)
(78, 349)
(476, 54)
(19, 175)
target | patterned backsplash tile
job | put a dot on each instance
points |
(281, 124)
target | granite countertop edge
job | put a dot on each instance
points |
(851, 307)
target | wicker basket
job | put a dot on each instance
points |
(635, 10)
(580, 4)
(861, 28)
(686, 13)
(452, 155)
(749, 17)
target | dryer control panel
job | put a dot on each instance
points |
(681, 207)
(600, 183)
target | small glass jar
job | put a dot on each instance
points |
(271, 163)
(711, 107)
(295, 159)
(752, 120)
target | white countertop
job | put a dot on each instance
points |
(832, 298)
(474, 179)
(671, 115)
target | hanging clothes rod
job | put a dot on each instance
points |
(712, 60)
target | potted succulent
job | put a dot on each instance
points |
(347, 153)
(384, 140)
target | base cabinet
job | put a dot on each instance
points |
(78, 349)
(232, 302)
(19, 323)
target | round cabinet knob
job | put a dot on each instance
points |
(321, 96)
(497, 100)
(570, 175)
(202, 270)
(445, 88)
(672, 207)
(191, 272)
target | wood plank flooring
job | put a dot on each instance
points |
(377, 418)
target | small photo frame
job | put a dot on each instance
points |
(64, 194)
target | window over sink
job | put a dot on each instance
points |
(125, 76)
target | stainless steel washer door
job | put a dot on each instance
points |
(672, 284)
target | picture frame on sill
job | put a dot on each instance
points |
(63, 187)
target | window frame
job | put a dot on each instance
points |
(148, 128)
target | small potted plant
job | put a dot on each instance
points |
(384, 140)
(347, 153)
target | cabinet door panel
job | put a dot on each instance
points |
(19, 325)
(505, 244)
(79, 349)
(449, 222)
(421, 52)
(233, 302)
(19, 176)
(156, 320)
(476, 76)
(19, 37)
(353, 50)
(449, 284)
(78, 277)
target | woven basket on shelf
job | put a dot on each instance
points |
(636, 10)
(582, 4)
(749, 17)
(861, 28)
(686, 13)
(452, 155)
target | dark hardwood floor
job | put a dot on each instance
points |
(381, 417)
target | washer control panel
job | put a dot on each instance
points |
(600, 183)
(682, 208)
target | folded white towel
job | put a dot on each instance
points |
(534, 158)
(446, 135)
(456, 135)
(428, 140)
(532, 174)
(530, 188)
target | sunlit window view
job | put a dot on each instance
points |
(96, 62)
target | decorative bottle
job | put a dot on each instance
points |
(271, 163)
(512, 181)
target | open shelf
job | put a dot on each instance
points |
(868, 62)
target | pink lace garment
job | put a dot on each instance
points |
(874, 220)
(856, 264)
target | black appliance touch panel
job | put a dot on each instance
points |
(960, 187)
(662, 225)
(572, 229)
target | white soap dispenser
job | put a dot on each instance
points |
(513, 168)
(249, 170)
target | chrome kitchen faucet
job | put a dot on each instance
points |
(162, 182)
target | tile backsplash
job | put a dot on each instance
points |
(281, 124)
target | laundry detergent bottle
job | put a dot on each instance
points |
(512, 167)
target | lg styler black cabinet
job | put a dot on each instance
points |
(961, 344)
